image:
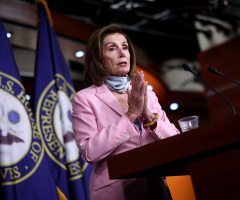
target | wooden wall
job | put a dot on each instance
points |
(226, 59)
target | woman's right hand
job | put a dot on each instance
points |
(136, 96)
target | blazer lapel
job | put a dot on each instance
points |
(108, 98)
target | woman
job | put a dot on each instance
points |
(111, 116)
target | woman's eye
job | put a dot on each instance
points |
(111, 48)
(125, 47)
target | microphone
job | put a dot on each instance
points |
(187, 68)
(215, 71)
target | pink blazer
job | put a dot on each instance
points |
(101, 129)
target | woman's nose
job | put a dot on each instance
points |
(121, 53)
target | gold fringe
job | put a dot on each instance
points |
(60, 194)
(47, 10)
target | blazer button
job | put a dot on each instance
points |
(127, 136)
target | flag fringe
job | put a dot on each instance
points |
(47, 10)
(60, 194)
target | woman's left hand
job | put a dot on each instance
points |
(146, 114)
(145, 108)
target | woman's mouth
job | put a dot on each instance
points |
(122, 64)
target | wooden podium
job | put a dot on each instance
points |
(210, 154)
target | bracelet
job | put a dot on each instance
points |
(153, 122)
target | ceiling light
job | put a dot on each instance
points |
(28, 97)
(9, 34)
(79, 54)
(150, 87)
(174, 106)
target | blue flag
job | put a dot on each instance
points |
(54, 91)
(24, 173)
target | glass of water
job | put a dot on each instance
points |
(188, 123)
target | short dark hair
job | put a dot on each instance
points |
(94, 71)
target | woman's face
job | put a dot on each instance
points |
(116, 57)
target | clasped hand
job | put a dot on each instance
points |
(137, 99)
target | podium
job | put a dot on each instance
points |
(210, 154)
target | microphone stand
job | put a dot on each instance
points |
(187, 68)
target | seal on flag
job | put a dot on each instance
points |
(20, 143)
